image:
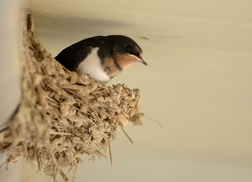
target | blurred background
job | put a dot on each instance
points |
(198, 85)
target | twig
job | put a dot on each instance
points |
(154, 121)
(110, 155)
(127, 135)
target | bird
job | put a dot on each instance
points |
(101, 57)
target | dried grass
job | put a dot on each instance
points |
(63, 115)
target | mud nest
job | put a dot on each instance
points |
(63, 115)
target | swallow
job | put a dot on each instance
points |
(101, 57)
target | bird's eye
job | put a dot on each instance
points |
(129, 49)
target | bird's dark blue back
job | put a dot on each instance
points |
(73, 55)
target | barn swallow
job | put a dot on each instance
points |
(102, 57)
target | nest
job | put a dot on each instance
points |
(63, 115)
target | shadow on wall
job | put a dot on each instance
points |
(49, 25)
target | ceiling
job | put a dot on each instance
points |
(197, 84)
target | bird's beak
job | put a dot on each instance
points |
(142, 61)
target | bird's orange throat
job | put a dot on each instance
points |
(126, 60)
(110, 67)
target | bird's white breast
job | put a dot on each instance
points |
(92, 67)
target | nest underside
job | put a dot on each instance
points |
(63, 115)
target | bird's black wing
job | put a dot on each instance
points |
(73, 55)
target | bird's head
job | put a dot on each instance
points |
(126, 51)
